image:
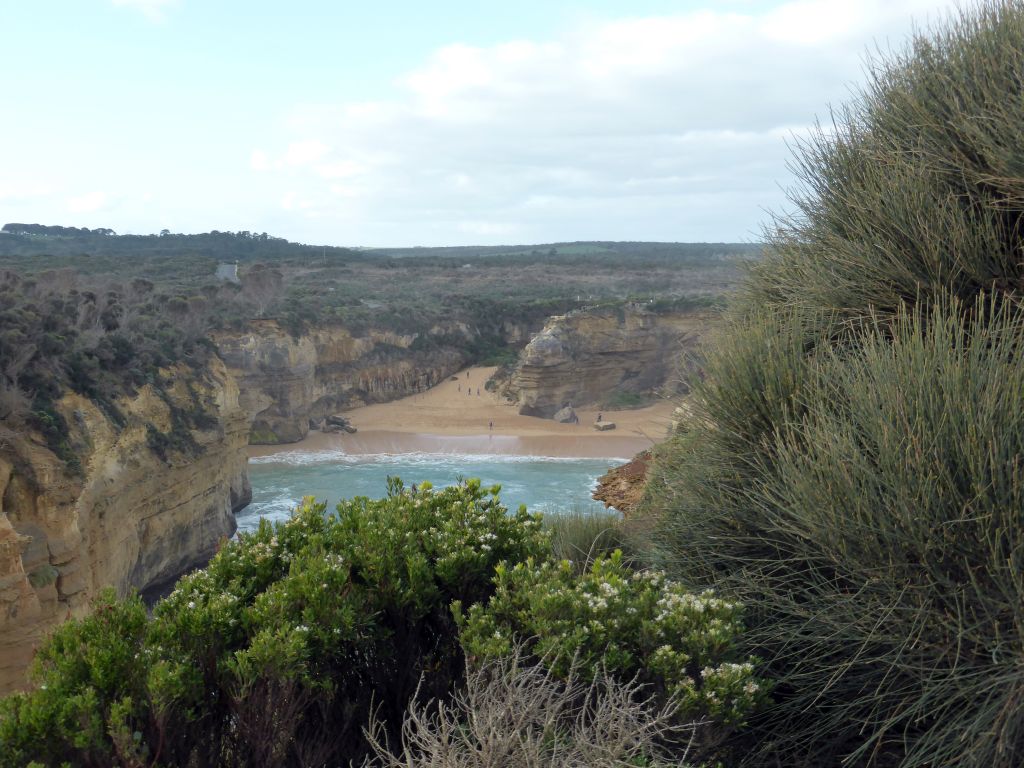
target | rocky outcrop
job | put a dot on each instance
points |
(623, 487)
(286, 382)
(566, 415)
(129, 519)
(589, 356)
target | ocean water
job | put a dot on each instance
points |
(543, 484)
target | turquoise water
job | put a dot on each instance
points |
(543, 484)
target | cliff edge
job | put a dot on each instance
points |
(587, 356)
(142, 510)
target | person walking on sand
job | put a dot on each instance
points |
(599, 418)
(478, 391)
(490, 426)
(460, 387)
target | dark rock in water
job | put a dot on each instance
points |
(565, 415)
(316, 423)
(330, 429)
(349, 429)
(337, 421)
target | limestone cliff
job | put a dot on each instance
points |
(287, 381)
(587, 356)
(128, 519)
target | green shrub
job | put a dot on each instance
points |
(91, 682)
(582, 536)
(277, 652)
(54, 427)
(915, 189)
(852, 468)
(632, 624)
(876, 534)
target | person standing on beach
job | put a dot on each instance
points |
(490, 426)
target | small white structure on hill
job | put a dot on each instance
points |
(228, 272)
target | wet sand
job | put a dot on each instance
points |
(452, 418)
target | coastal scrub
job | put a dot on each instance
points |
(636, 625)
(851, 468)
(277, 652)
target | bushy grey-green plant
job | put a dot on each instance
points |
(853, 469)
(582, 536)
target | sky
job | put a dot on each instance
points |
(402, 122)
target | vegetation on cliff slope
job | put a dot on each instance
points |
(101, 342)
(285, 647)
(102, 314)
(853, 469)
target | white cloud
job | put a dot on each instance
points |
(259, 161)
(487, 228)
(12, 192)
(642, 128)
(154, 10)
(87, 203)
(307, 152)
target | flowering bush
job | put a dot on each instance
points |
(276, 653)
(630, 623)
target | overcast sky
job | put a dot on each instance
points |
(423, 123)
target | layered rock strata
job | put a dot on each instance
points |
(589, 356)
(286, 382)
(129, 519)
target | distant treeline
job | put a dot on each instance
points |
(39, 240)
(56, 241)
(46, 229)
(586, 250)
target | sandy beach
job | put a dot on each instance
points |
(453, 418)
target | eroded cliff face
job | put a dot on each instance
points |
(285, 382)
(622, 487)
(587, 356)
(130, 519)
